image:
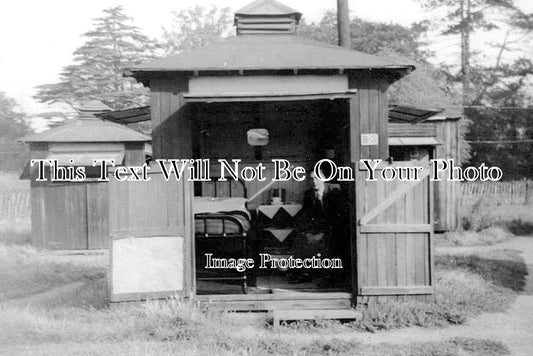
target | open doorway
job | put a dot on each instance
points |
(296, 234)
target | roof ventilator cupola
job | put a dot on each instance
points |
(266, 17)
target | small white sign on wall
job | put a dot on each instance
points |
(371, 139)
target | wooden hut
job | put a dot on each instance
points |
(447, 194)
(433, 134)
(74, 215)
(314, 101)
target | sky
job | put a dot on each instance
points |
(37, 38)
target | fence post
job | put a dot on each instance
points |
(526, 186)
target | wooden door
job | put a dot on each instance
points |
(395, 230)
(392, 222)
(151, 238)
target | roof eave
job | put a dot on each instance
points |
(135, 72)
(83, 141)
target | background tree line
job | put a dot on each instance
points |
(504, 81)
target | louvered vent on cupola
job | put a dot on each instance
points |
(266, 17)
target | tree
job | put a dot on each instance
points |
(502, 138)
(369, 37)
(464, 18)
(424, 87)
(12, 127)
(196, 27)
(113, 44)
(427, 87)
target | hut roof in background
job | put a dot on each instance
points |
(92, 107)
(410, 114)
(448, 114)
(127, 116)
(272, 53)
(88, 130)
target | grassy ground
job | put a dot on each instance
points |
(55, 304)
(485, 224)
(25, 271)
(485, 237)
(465, 286)
(481, 215)
(15, 231)
(59, 303)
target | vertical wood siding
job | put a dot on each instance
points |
(71, 216)
(447, 194)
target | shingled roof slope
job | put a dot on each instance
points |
(268, 52)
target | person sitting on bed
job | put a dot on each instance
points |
(323, 223)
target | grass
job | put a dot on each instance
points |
(489, 236)
(503, 268)
(517, 219)
(25, 271)
(484, 224)
(465, 286)
(78, 320)
(53, 304)
(175, 327)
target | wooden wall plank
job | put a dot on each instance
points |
(391, 260)
(374, 117)
(364, 119)
(97, 215)
(381, 258)
(384, 119)
(134, 155)
(371, 269)
(155, 115)
(446, 193)
(401, 259)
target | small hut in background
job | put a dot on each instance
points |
(448, 194)
(424, 134)
(74, 215)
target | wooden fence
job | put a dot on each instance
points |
(519, 192)
(15, 204)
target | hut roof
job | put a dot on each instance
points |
(267, 8)
(410, 114)
(91, 107)
(88, 130)
(127, 116)
(269, 52)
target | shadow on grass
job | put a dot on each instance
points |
(519, 227)
(504, 268)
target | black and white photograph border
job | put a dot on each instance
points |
(268, 177)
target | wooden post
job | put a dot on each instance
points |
(343, 23)
(525, 191)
